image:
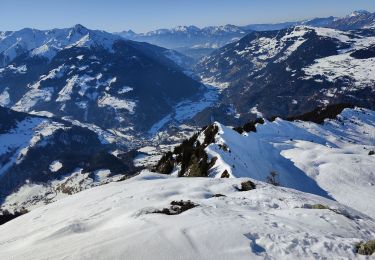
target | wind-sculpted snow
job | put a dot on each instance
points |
(116, 221)
(331, 160)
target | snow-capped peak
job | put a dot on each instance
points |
(359, 12)
(79, 27)
(78, 30)
(228, 28)
(190, 28)
(48, 42)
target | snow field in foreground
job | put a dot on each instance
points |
(114, 222)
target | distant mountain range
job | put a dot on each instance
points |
(198, 42)
(190, 40)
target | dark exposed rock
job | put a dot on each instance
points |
(177, 207)
(218, 195)
(190, 155)
(225, 174)
(246, 186)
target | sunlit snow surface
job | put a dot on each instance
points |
(114, 222)
(330, 160)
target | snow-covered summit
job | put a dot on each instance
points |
(48, 42)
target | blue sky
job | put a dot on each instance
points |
(145, 15)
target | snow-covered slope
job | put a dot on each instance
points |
(43, 159)
(291, 72)
(332, 160)
(115, 221)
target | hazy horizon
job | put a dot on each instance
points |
(146, 15)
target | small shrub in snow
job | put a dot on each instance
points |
(319, 206)
(197, 166)
(273, 179)
(225, 174)
(190, 155)
(210, 134)
(218, 195)
(366, 248)
(247, 185)
(224, 147)
(165, 164)
(212, 162)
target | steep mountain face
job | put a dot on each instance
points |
(95, 77)
(290, 72)
(190, 40)
(334, 159)
(40, 150)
